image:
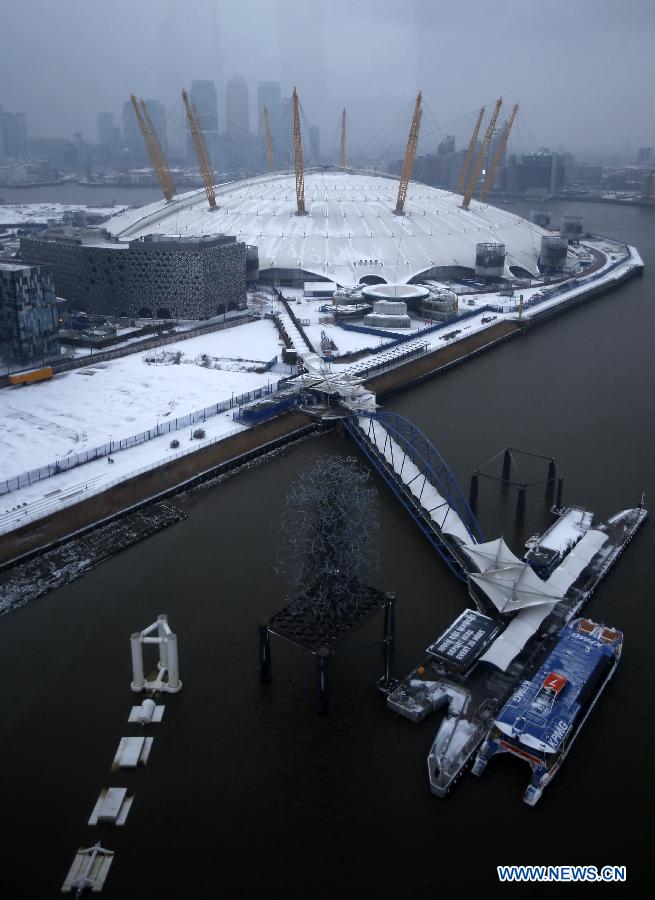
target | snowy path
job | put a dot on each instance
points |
(45, 497)
(295, 336)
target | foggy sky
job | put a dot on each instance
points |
(582, 71)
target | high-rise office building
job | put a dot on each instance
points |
(204, 100)
(237, 118)
(105, 129)
(29, 323)
(13, 136)
(645, 155)
(132, 133)
(315, 144)
(269, 94)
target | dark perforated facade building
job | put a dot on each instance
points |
(158, 276)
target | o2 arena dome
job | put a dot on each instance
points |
(350, 234)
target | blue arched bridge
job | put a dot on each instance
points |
(420, 478)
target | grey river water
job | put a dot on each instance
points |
(248, 793)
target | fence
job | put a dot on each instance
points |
(296, 322)
(85, 490)
(79, 459)
(414, 335)
(385, 365)
(137, 346)
(548, 293)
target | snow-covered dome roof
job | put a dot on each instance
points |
(350, 231)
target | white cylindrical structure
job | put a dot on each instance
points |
(137, 662)
(146, 711)
(163, 630)
(173, 684)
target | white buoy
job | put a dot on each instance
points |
(168, 675)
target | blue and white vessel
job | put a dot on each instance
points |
(545, 713)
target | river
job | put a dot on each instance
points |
(248, 792)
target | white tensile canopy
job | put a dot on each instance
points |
(510, 643)
(514, 587)
(491, 555)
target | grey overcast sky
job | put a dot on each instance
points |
(582, 70)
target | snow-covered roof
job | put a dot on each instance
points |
(350, 230)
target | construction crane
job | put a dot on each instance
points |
(153, 147)
(410, 153)
(201, 151)
(482, 155)
(269, 142)
(498, 154)
(469, 154)
(297, 146)
(342, 149)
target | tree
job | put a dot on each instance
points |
(329, 544)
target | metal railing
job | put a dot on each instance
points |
(83, 490)
(69, 462)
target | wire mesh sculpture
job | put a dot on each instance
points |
(329, 551)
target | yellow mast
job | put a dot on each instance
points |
(153, 147)
(201, 151)
(410, 153)
(498, 154)
(469, 154)
(481, 156)
(269, 142)
(342, 149)
(297, 146)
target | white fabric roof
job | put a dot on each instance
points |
(510, 643)
(351, 229)
(527, 621)
(492, 555)
(514, 587)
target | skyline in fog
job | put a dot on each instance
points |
(581, 73)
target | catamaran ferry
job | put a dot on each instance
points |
(545, 713)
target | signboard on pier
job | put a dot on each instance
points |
(464, 640)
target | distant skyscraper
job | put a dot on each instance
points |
(132, 133)
(105, 129)
(269, 94)
(132, 137)
(237, 110)
(157, 113)
(204, 99)
(280, 115)
(645, 155)
(315, 144)
(447, 145)
(13, 136)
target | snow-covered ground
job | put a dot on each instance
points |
(39, 213)
(87, 407)
(44, 497)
